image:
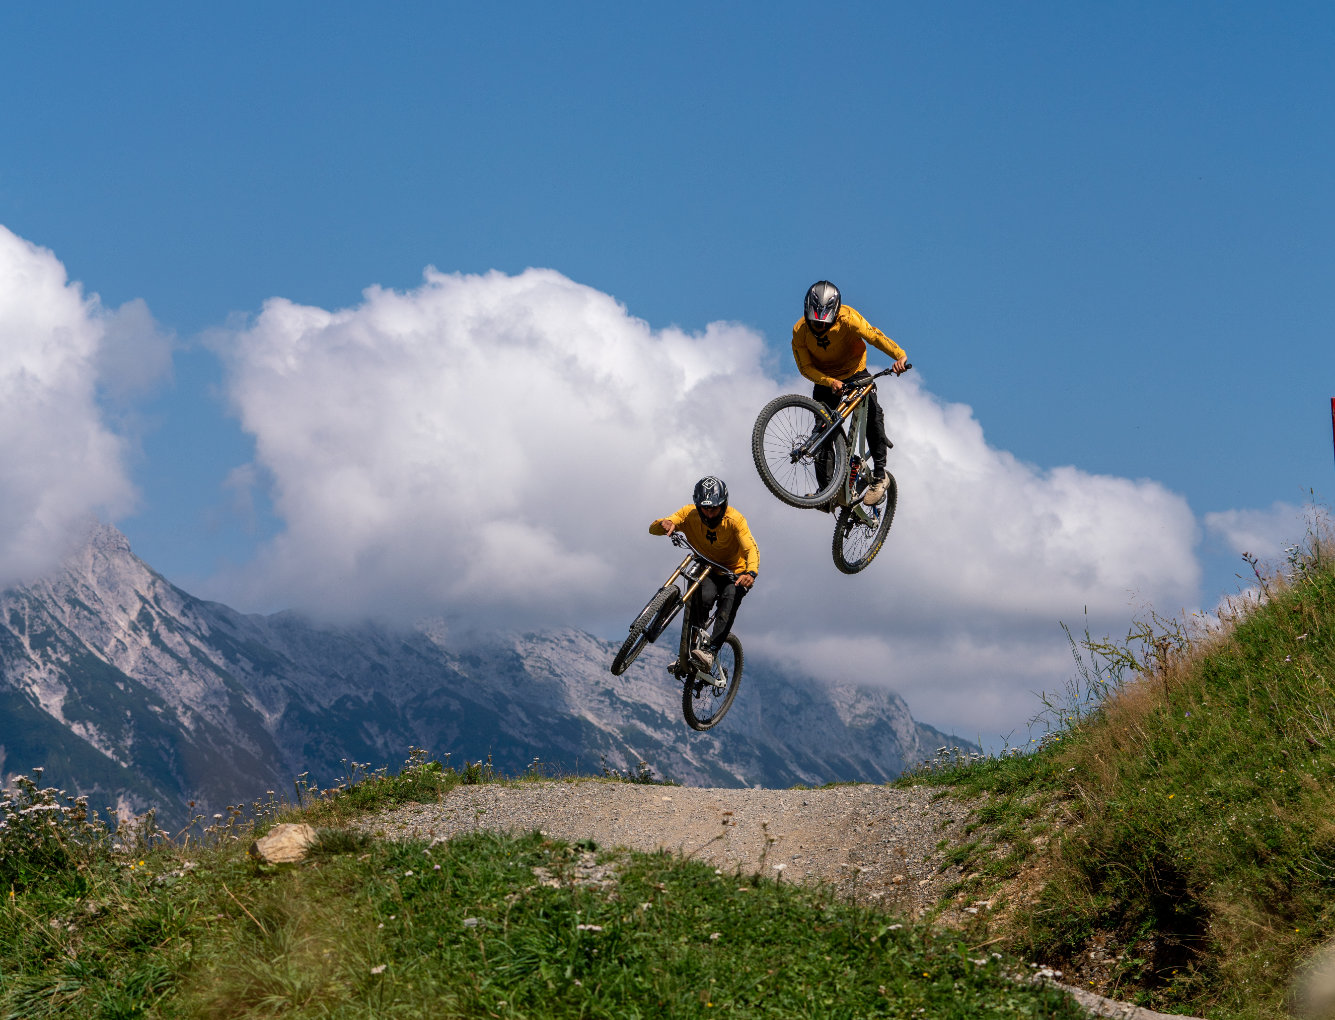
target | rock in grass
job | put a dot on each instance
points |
(285, 844)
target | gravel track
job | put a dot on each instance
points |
(875, 844)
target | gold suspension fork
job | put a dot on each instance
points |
(842, 412)
(682, 566)
(698, 581)
(696, 584)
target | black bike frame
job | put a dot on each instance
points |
(709, 566)
(841, 413)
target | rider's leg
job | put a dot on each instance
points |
(880, 445)
(824, 459)
(701, 602)
(729, 598)
(876, 438)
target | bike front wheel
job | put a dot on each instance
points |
(783, 428)
(859, 531)
(647, 626)
(704, 704)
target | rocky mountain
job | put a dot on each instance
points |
(124, 687)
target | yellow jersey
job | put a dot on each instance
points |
(842, 350)
(728, 541)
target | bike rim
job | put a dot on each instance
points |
(860, 537)
(706, 699)
(786, 430)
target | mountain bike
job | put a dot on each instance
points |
(706, 693)
(805, 458)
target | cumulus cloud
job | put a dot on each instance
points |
(60, 463)
(495, 446)
(1264, 534)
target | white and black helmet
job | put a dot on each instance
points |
(821, 307)
(710, 492)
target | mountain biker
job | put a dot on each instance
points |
(830, 348)
(719, 532)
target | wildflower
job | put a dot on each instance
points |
(1171, 796)
(406, 874)
(379, 968)
(436, 868)
(588, 927)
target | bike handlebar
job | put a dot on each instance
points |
(887, 371)
(678, 539)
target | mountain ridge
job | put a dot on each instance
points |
(126, 687)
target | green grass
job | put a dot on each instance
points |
(485, 925)
(1191, 804)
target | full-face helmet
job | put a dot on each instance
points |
(710, 494)
(821, 307)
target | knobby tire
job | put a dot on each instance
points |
(702, 704)
(856, 544)
(647, 626)
(783, 424)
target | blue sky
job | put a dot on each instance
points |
(1102, 232)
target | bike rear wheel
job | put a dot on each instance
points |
(704, 704)
(857, 541)
(784, 424)
(647, 626)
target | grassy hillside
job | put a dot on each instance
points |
(122, 925)
(1174, 842)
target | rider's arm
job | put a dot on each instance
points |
(805, 364)
(656, 528)
(750, 551)
(871, 334)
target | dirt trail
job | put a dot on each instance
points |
(875, 844)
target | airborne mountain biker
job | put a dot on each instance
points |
(720, 532)
(830, 348)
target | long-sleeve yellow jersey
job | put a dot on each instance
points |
(728, 541)
(842, 350)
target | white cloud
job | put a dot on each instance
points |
(495, 447)
(61, 464)
(1264, 534)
